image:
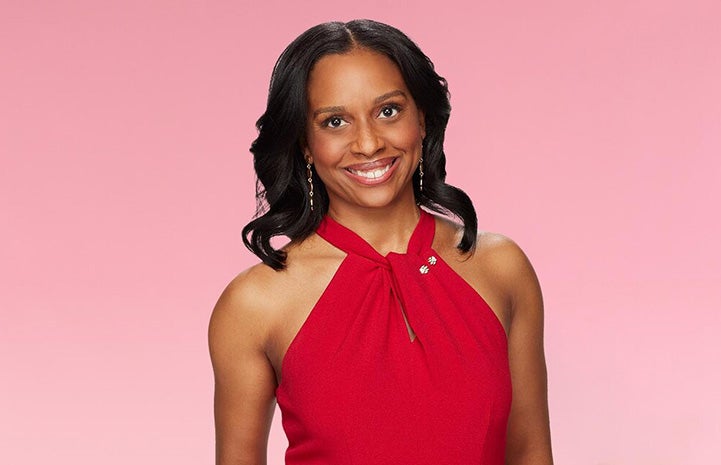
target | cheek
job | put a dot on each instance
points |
(324, 147)
(407, 135)
(327, 152)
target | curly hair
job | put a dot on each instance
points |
(282, 186)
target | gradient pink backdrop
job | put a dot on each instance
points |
(590, 132)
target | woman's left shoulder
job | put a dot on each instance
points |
(496, 258)
(502, 255)
(490, 246)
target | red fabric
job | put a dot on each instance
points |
(356, 390)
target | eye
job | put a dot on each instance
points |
(389, 111)
(334, 122)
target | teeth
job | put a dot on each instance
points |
(371, 174)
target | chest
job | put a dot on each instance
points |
(357, 298)
(352, 366)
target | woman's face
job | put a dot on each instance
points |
(365, 133)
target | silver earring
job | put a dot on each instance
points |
(310, 183)
(420, 175)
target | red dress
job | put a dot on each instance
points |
(356, 390)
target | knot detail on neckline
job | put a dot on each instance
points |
(348, 241)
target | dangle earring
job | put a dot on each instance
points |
(420, 175)
(420, 167)
(310, 183)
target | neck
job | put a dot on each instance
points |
(386, 229)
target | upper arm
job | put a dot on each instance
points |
(244, 378)
(528, 439)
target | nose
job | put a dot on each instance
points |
(367, 142)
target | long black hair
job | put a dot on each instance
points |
(282, 188)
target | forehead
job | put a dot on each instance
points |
(360, 74)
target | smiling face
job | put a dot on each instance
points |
(364, 134)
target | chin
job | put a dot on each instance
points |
(380, 199)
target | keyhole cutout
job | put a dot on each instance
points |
(411, 333)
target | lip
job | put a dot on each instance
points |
(370, 166)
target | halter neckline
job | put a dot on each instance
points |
(350, 242)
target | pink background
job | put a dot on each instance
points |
(590, 132)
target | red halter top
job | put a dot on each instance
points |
(356, 390)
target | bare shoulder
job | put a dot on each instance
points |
(249, 289)
(497, 268)
(503, 257)
(244, 377)
(257, 300)
(494, 253)
(243, 309)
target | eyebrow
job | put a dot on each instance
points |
(376, 101)
(388, 95)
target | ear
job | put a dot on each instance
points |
(307, 155)
(422, 123)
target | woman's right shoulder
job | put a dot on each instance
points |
(260, 293)
(241, 312)
(251, 295)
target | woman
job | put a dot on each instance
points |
(369, 327)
